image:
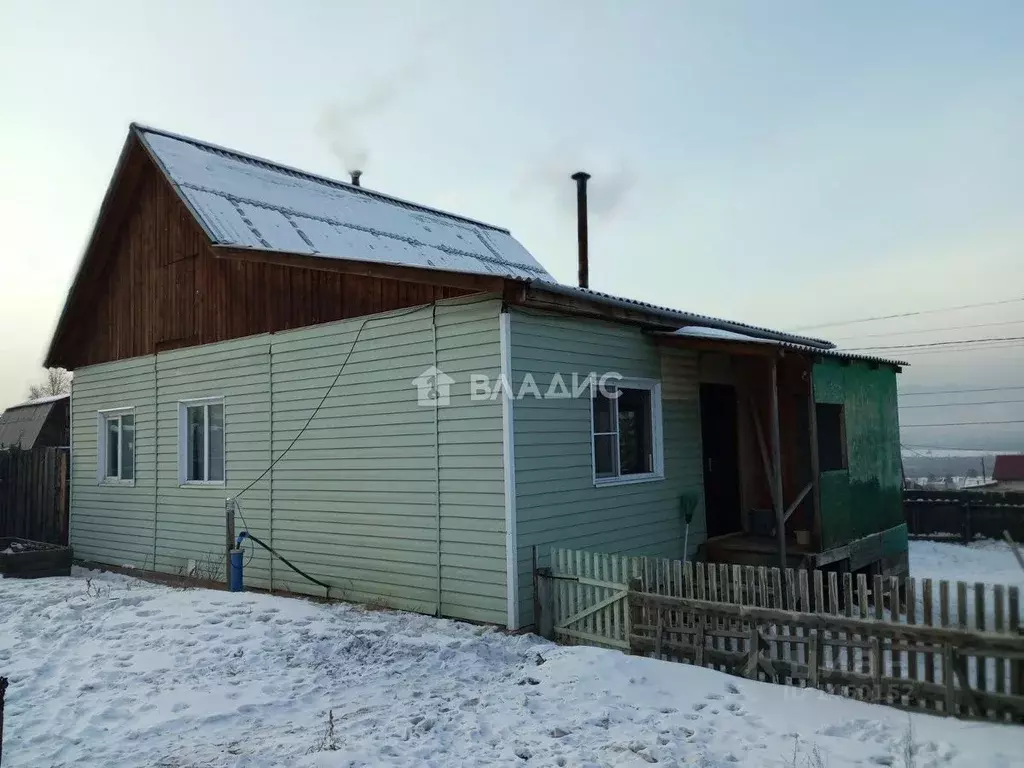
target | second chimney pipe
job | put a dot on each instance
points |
(355, 177)
(580, 177)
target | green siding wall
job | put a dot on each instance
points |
(556, 499)
(113, 524)
(355, 501)
(866, 497)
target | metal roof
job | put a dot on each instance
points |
(247, 202)
(698, 332)
(687, 318)
(21, 424)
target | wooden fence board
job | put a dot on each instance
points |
(878, 644)
(33, 494)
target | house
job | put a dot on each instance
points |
(407, 407)
(1008, 473)
(36, 423)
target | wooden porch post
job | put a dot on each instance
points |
(780, 521)
(812, 420)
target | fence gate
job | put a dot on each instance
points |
(589, 597)
(949, 648)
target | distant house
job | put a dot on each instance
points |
(408, 407)
(41, 422)
(1008, 473)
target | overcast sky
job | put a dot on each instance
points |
(786, 164)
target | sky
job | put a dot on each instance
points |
(789, 164)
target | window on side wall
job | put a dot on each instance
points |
(116, 446)
(831, 437)
(626, 431)
(201, 441)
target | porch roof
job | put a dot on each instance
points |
(740, 343)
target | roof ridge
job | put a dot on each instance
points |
(273, 164)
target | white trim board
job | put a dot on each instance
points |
(509, 471)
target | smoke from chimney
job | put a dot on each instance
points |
(580, 177)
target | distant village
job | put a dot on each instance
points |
(963, 470)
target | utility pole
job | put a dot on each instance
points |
(983, 469)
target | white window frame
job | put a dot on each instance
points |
(183, 406)
(657, 432)
(102, 419)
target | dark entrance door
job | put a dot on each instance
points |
(718, 425)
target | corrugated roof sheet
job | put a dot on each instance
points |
(1008, 467)
(683, 317)
(247, 202)
(21, 424)
(700, 332)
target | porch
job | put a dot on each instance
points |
(765, 443)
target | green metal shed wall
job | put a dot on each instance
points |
(866, 497)
(557, 503)
(355, 501)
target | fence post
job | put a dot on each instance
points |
(659, 632)
(755, 652)
(947, 679)
(876, 667)
(968, 533)
(813, 659)
(229, 536)
(634, 614)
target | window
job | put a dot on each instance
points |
(201, 441)
(831, 437)
(116, 432)
(626, 420)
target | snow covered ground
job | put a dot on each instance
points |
(984, 560)
(110, 671)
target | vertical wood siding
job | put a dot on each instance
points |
(355, 501)
(557, 501)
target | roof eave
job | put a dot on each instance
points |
(473, 281)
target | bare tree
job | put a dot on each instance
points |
(58, 382)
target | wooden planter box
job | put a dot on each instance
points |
(25, 559)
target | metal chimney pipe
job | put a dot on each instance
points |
(580, 177)
(355, 177)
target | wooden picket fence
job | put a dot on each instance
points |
(954, 649)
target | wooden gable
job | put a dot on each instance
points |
(151, 280)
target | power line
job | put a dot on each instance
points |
(909, 314)
(957, 405)
(962, 424)
(956, 350)
(926, 330)
(925, 345)
(957, 391)
(958, 448)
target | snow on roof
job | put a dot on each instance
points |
(40, 401)
(701, 332)
(247, 202)
(21, 424)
